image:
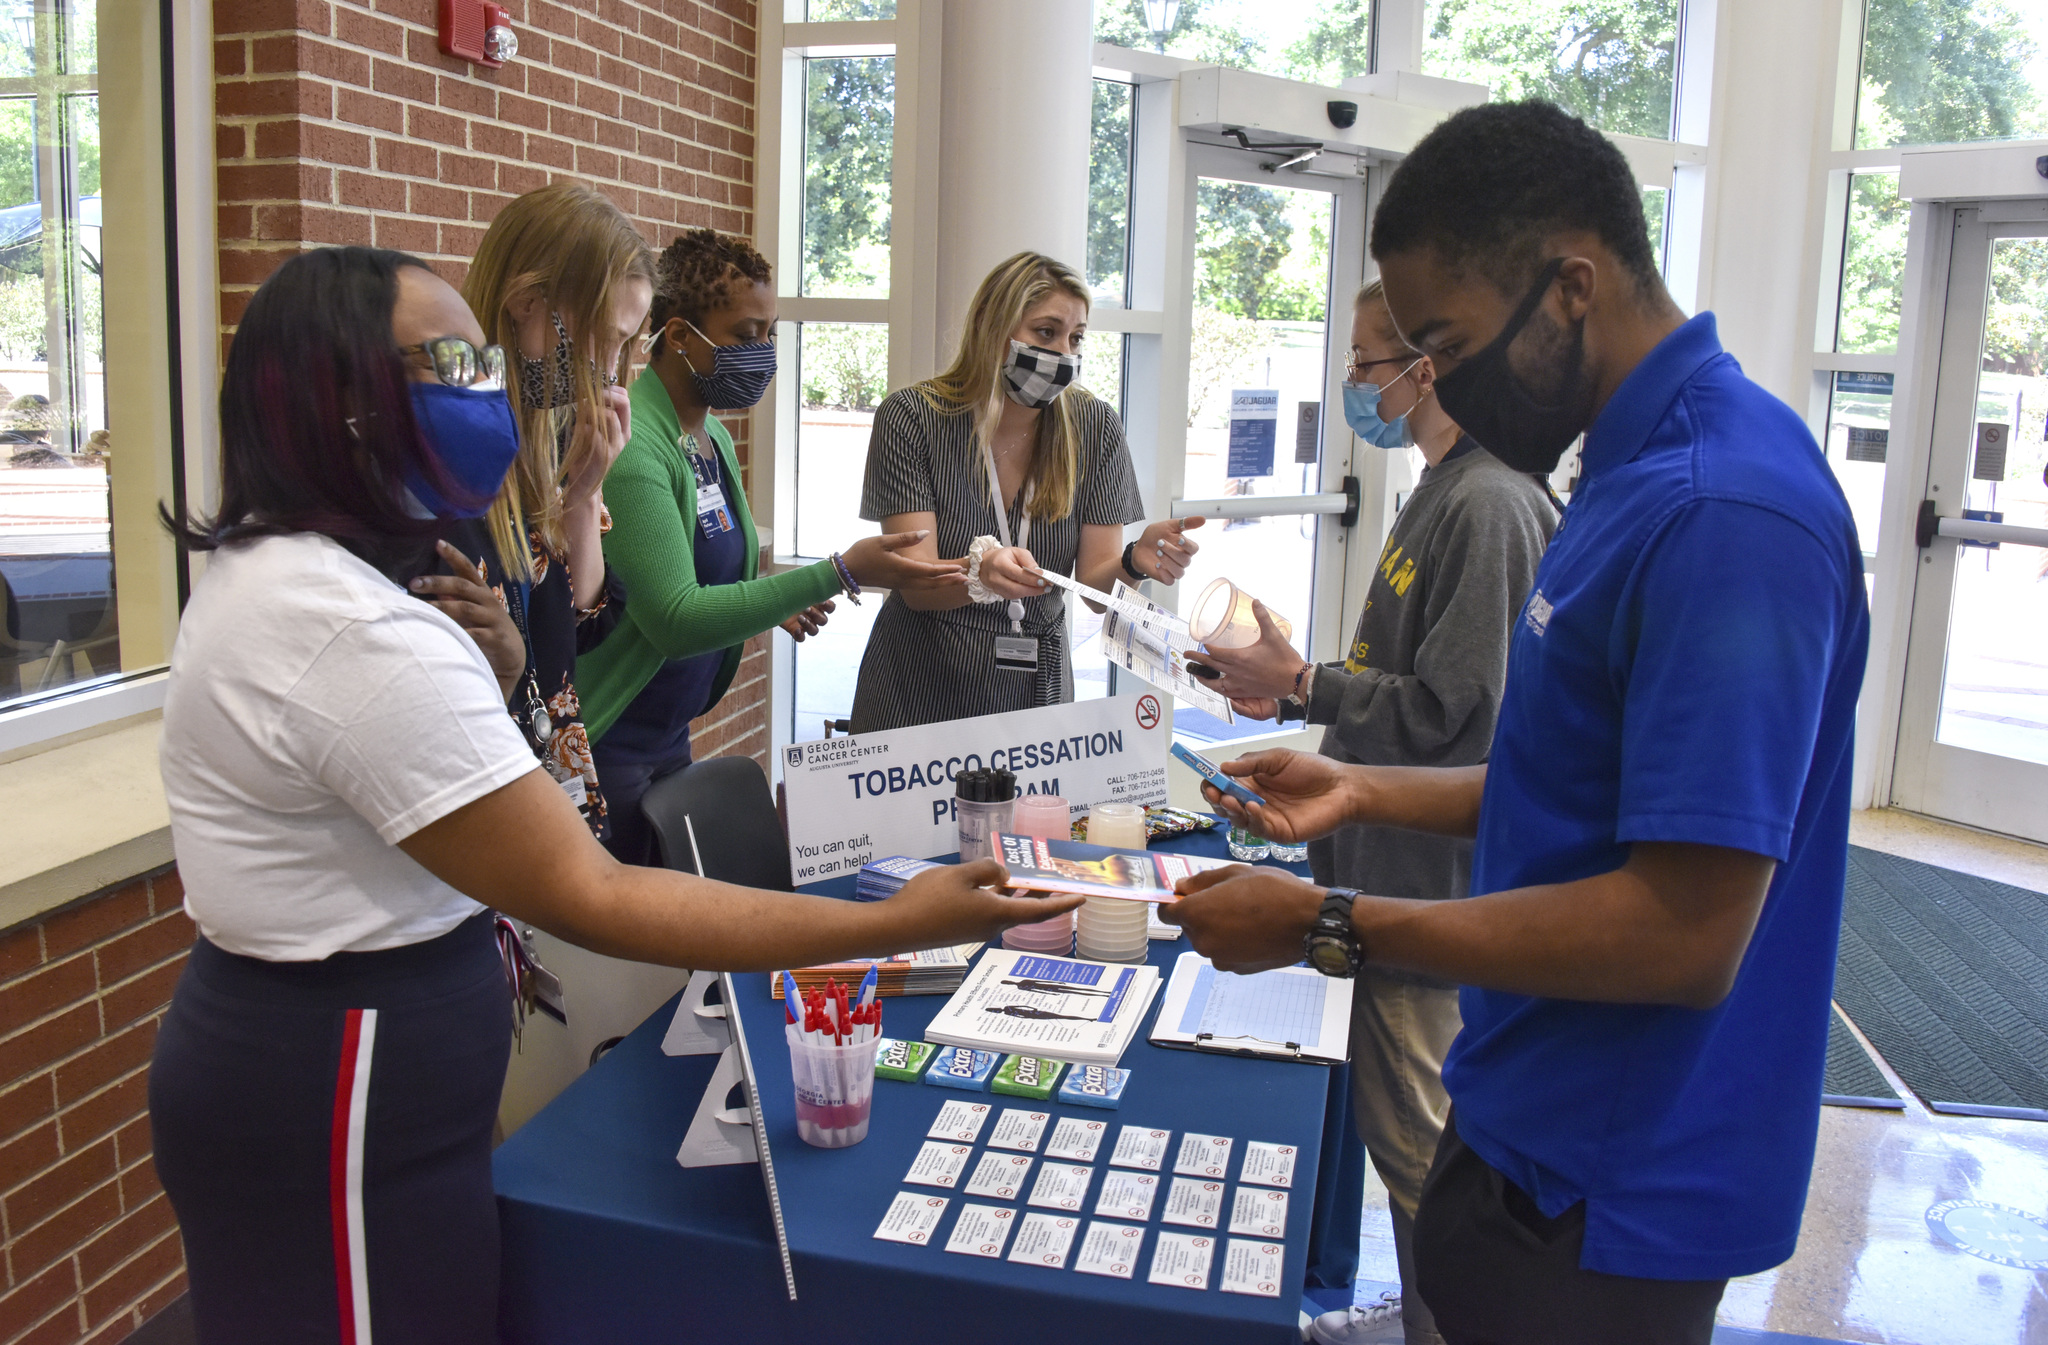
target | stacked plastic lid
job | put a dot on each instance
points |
(1043, 816)
(1112, 929)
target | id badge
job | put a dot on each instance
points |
(712, 515)
(1017, 653)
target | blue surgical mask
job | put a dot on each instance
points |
(473, 436)
(1362, 414)
(739, 374)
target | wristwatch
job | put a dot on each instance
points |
(1331, 944)
(1129, 568)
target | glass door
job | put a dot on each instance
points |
(1973, 735)
(1276, 258)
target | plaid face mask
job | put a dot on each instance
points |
(1035, 375)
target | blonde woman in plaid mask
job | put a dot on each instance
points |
(1006, 461)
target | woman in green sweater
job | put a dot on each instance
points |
(682, 539)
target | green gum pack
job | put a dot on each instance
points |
(1028, 1076)
(903, 1060)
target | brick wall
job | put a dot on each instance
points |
(91, 1247)
(339, 121)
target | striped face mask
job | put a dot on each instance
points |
(739, 374)
(1035, 376)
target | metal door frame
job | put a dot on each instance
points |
(1974, 788)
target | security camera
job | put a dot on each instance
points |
(1343, 115)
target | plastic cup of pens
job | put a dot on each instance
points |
(832, 1062)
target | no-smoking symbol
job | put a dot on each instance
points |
(1148, 712)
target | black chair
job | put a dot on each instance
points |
(727, 802)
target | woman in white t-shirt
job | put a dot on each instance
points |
(344, 786)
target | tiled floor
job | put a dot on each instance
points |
(1868, 1269)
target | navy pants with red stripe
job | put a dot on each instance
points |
(323, 1130)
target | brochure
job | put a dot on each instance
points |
(1056, 1007)
(1097, 870)
(935, 971)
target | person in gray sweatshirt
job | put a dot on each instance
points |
(1419, 686)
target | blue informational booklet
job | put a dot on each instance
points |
(1055, 1008)
(880, 878)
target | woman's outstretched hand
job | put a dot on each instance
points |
(879, 562)
(809, 621)
(1163, 551)
(1011, 573)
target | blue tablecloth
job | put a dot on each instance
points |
(607, 1239)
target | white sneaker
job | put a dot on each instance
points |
(1373, 1324)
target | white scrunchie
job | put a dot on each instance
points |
(978, 551)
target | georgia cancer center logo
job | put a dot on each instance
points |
(793, 754)
(1148, 712)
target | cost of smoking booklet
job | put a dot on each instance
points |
(1040, 865)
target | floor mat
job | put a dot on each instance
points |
(1946, 974)
(1853, 1078)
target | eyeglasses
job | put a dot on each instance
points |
(1354, 365)
(461, 365)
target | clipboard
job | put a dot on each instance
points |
(1289, 1013)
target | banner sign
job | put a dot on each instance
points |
(1254, 426)
(891, 793)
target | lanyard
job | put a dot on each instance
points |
(995, 495)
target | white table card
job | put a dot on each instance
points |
(1043, 1239)
(1110, 1249)
(1182, 1260)
(1194, 1202)
(911, 1218)
(1076, 1140)
(981, 1230)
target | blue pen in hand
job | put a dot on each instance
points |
(1224, 783)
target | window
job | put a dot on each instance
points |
(1262, 284)
(827, 11)
(1858, 442)
(1324, 42)
(1102, 366)
(843, 372)
(1656, 210)
(849, 124)
(1612, 62)
(1109, 194)
(56, 531)
(1944, 71)
(1873, 266)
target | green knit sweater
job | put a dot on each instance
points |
(652, 495)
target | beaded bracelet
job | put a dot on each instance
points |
(846, 579)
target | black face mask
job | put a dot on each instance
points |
(1492, 404)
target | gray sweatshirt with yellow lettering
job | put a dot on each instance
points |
(1421, 683)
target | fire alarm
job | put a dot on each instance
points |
(476, 30)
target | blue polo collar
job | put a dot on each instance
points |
(1644, 398)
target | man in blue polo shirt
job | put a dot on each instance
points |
(1662, 829)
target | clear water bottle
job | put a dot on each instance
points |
(1288, 854)
(1247, 844)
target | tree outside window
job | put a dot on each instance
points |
(1939, 72)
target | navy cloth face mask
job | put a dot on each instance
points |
(739, 374)
(473, 436)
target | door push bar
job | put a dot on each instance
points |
(1343, 504)
(1932, 525)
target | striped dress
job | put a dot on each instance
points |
(928, 667)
